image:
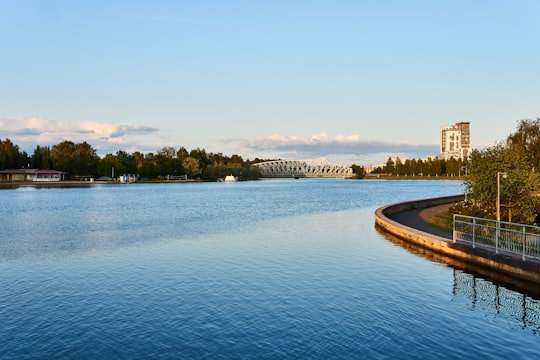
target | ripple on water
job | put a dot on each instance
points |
(272, 269)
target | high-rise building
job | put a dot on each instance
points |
(456, 141)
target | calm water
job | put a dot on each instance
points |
(268, 269)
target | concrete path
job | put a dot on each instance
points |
(418, 219)
(508, 268)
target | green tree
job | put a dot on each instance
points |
(399, 166)
(519, 188)
(420, 166)
(62, 156)
(201, 157)
(110, 166)
(138, 159)
(167, 165)
(453, 167)
(390, 167)
(85, 159)
(168, 152)
(437, 166)
(128, 162)
(182, 154)
(414, 167)
(75, 159)
(10, 156)
(192, 167)
(249, 172)
(527, 140)
(149, 168)
(358, 171)
(235, 162)
(41, 158)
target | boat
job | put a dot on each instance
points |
(230, 178)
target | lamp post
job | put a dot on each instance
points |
(504, 175)
(497, 232)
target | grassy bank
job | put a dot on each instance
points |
(410, 177)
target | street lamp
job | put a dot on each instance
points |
(504, 175)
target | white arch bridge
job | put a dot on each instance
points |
(300, 168)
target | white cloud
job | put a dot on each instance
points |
(104, 137)
(342, 148)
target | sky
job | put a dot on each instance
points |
(348, 82)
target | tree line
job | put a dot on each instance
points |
(81, 159)
(432, 166)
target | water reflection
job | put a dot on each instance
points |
(484, 289)
(494, 298)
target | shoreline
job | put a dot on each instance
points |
(403, 220)
(69, 183)
(73, 183)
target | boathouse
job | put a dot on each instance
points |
(13, 175)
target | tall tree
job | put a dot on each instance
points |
(75, 159)
(62, 156)
(518, 188)
(127, 162)
(110, 166)
(358, 171)
(41, 158)
(168, 152)
(191, 165)
(85, 159)
(10, 156)
(390, 167)
(527, 140)
(182, 154)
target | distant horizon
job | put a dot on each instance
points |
(30, 152)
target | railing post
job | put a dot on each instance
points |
(454, 229)
(524, 242)
(473, 232)
(497, 237)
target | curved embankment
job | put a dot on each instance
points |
(503, 263)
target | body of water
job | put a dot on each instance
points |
(265, 269)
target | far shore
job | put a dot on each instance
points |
(412, 177)
(72, 183)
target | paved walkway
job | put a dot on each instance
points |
(505, 267)
(418, 219)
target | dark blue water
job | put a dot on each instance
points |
(269, 269)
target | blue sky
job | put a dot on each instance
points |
(345, 81)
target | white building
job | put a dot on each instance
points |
(456, 141)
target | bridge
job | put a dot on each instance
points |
(302, 168)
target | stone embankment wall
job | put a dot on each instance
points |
(507, 264)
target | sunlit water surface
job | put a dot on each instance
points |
(268, 269)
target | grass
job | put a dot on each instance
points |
(442, 220)
(415, 177)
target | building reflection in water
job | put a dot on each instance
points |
(479, 288)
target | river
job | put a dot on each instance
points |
(267, 269)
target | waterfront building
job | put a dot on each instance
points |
(456, 141)
(11, 175)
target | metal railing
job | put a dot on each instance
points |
(504, 236)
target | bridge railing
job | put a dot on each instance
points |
(503, 236)
(287, 168)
